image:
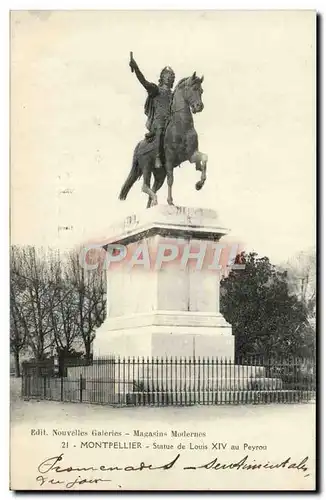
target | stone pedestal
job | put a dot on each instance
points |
(167, 310)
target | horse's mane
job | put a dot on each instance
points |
(179, 85)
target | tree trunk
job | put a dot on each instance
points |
(17, 365)
(88, 349)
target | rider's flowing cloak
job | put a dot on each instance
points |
(149, 108)
(157, 107)
(149, 112)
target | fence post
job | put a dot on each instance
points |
(80, 388)
(23, 384)
(44, 387)
(61, 388)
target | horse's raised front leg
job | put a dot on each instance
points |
(169, 176)
(201, 164)
(146, 185)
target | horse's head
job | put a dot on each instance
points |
(193, 93)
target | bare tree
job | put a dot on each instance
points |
(54, 302)
(19, 311)
(90, 295)
(301, 270)
(301, 275)
(64, 311)
(39, 296)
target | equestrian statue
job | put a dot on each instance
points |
(171, 138)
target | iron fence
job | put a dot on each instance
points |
(176, 381)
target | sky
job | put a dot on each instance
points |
(77, 114)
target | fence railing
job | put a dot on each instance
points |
(176, 381)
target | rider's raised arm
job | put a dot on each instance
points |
(151, 88)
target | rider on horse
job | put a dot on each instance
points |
(157, 105)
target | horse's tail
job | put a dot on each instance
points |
(134, 174)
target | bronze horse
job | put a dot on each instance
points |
(180, 144)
